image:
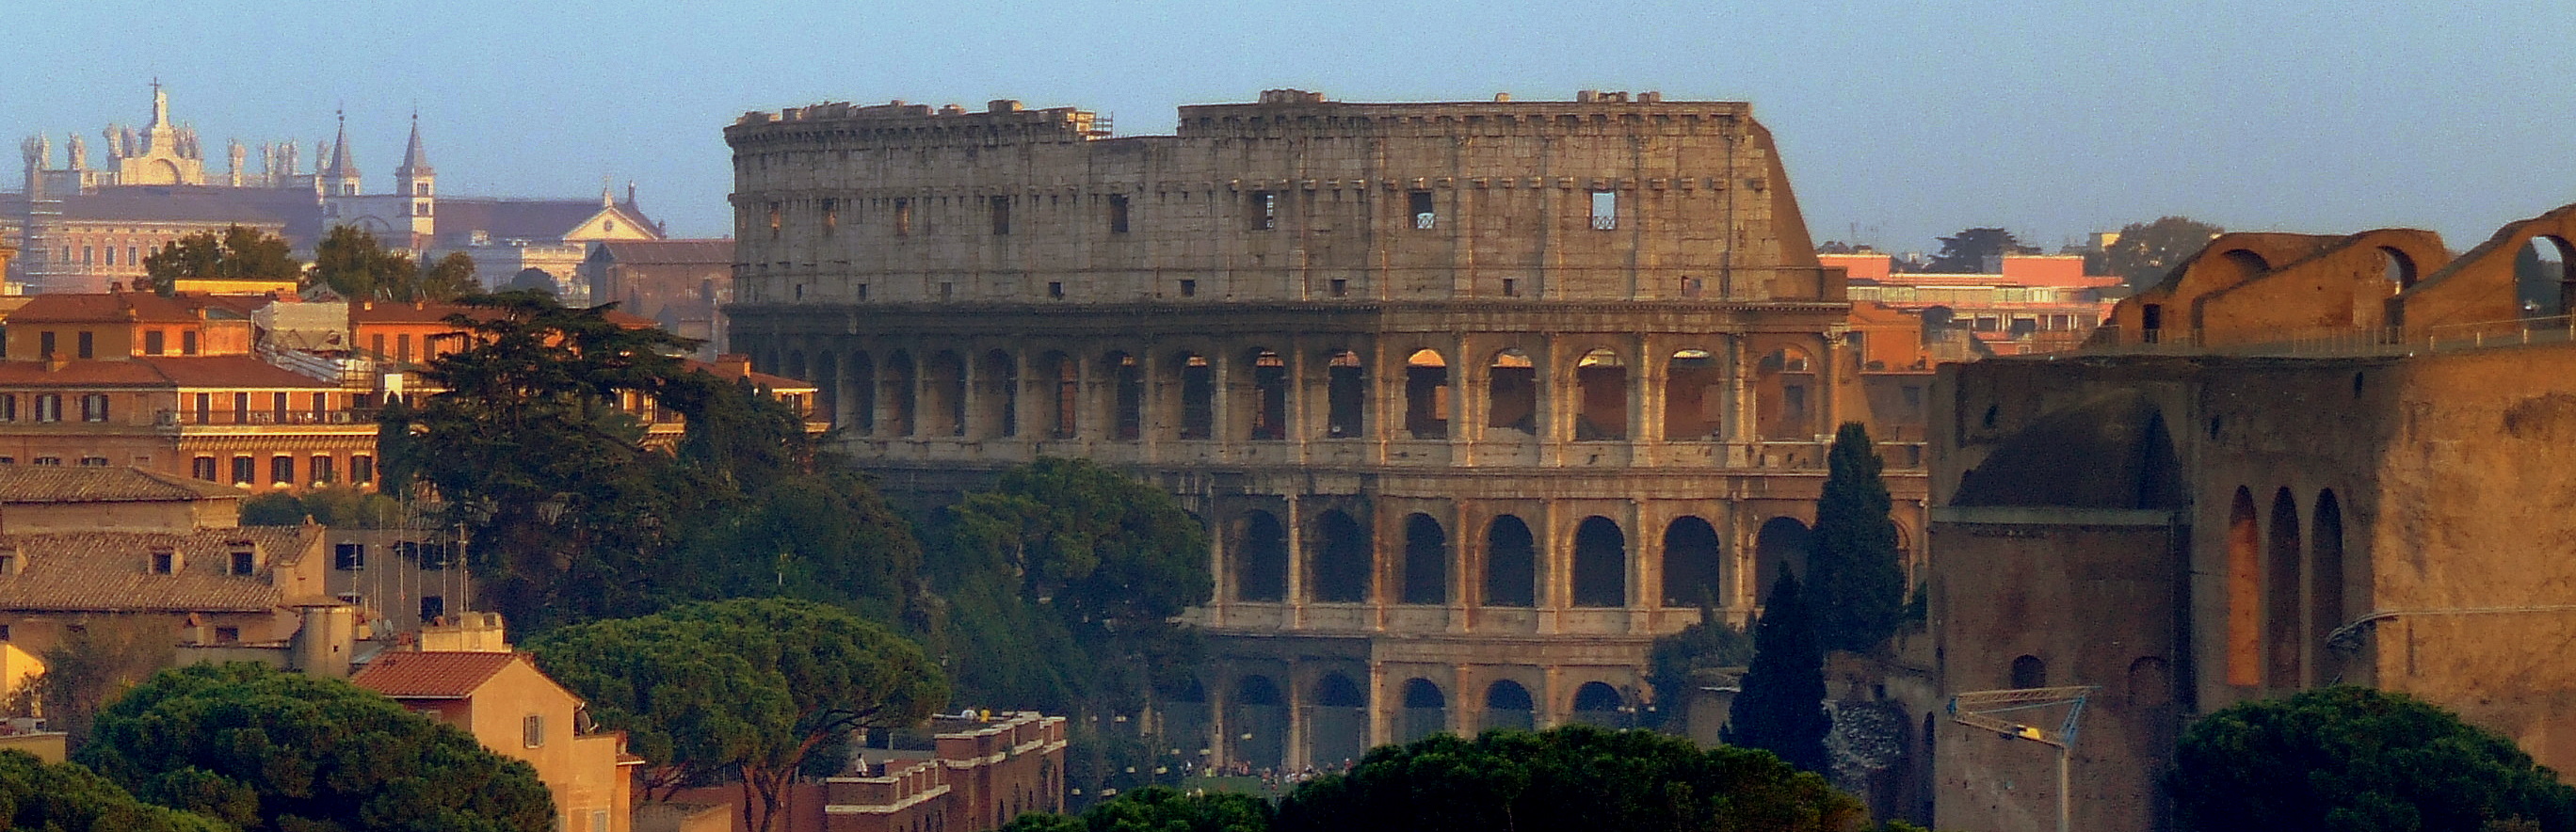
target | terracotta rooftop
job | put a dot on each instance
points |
(230, 371)
(86, 484)
(108, 571)
(110, 307)
(80, 372)
(396, 312)
(431, 675)
(734, 367)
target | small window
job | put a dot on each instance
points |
(320, 471)
(46, 460)
(245, 470)
(1117, 213)
(1605, 210)
(153, 341)
(831, 216)
(1189, 288)
(535, 729)
(49, 407)
(8, 562)
(93, 462)
(281, 470)
(863, 291)
(165, 562)
(244, 562)
(1420, 204)
(187, 342)
(773, 220)
(432, 608)
(1055, 289)
(88, 344)
(4, 632)
(45, 344)
(947, 291)
(1001, 208)
(902, 217)
(362, 468)
(8, 407)
(94, 407)
(1511, 287)
(202, 468)
(1265, 210)
(349, 557)
(1339, 287)
(227, 635)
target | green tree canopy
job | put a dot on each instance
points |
(1678, 661)
(1967, 251)
(749, 687)
(2147, 251)
(1782, 706)
(1574, 777)
(1857, 587)
(66, 797)
(267, 750)
(235, 253)
(353, 263)
(2351, 759)
(1158, 809)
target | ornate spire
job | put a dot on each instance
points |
(160, 105)
(415, 160)
(340, 163)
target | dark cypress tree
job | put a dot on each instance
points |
(1782, 706)
(1858, 587)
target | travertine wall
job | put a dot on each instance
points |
(1354, 395)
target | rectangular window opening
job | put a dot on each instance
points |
(1605, 210)
(1419, 204)
(903, 217)
(1511, 287)
(1339, 287)
(1001, 208)
(1189, 288)
(1265, 210)
(1117, 213)
(1055, 289)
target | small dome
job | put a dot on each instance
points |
(2110, 452)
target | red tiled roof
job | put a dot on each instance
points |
(392, 312)
(80, 372)
(733, 370)
(431, 675)
(230, 371)
(86, 484)
(110, 307)
(106, 571)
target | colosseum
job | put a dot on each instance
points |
(1477, 398)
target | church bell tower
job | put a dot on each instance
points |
(418, 184)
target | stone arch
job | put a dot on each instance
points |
(2150, 682)
(2543, 282)
(902, 394)
(861, 394)
(1342, 562)
(2244, 592)
(1508, 705)
(1195, 379)
(997, 394)
(1511, 392)
(1780, 547)
(1425, 712)
(1600, 563)
(2246, 264)
(1345, 395)
(2029, 672)
(1063, 401)
(796, 366)
(1185, 714)
(1270, 386)
(943, 394)
(1260, 558)
(1126, 399)
(1511, 563)
(2397, 268)
(1785, 395)
(1694, 396)
(2281, 594)
(1597, 703)
(2325, 584)
(1426, 394)
(1601, 384)
(1257, 721)
(1693, 564)
(1337, 725)
(1426, 561)
(827, 383)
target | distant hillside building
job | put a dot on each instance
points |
(681, 285)
(2025, 303)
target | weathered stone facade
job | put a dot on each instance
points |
(1477, 398)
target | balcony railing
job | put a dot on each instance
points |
(364, 416)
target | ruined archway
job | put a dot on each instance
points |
(2281, 594)
(1426, 711)
(2541, 278)
(1337, 724)
(1694, 397)
(1261, 558)
(943, 393)
(997, 394)
(1345, 396)
(1426, 395)
(2325, 585)
(1780, 547)
(1426, 561)
(1063, 402)
(1511, 392)
(1196, 380)
(1269, 395)
(1693, 564)
(861, 396)
(1597, 703)
(1508, 705)
(1601, 382)
(1786, 396)
(1342, 559)
(901, 393)
(2029, 672)
(2244, 592)
(1600, 564)
(1126, 395)
(827, 384)
(1511, 563)
(1257, 723)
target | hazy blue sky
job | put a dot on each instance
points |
(1907, 120)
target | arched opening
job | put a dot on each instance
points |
(2029, 672)
(1597, 703)
(901, 393)
(1257, 719)
(2281, 594)
(1602, 382)
(1197, 382)
(1426, 711)
(2397, 268)
(1126, 395)
(2246, 264)
(2244, 593)
(1342, 559)
(827, 384)
(1345, 396)
(1426, 561)
(1337, 724)
(1064, 394)
(1508, 705)
(997, 391)
(1511, 392)
(1694, 397)
(861, 415)
(1511, 563)
(943, 391)
(1426, 395)
(796, 367)
(1261, 558)
(1269, 395)
(1691, 564)
(1600, 564)
(1785, 408)
(1185, 716)
(2541, 278)
(1780, 547)
(2150, 683)
(2325, 585)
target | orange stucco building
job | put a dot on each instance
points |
(516, 711)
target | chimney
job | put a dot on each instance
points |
(733, 364)
(55, 362)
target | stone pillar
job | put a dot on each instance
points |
(970, 394)
(1645, 569)
(1217, 567)
(1463, 585)
(1744, 427)
(1646, 398)
(1298, 754)
(1296, 600)
(1221, 735)
(1381, 729)
(1550, 714)
(1466, 709)
(1555, 584)
(1832, 378)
